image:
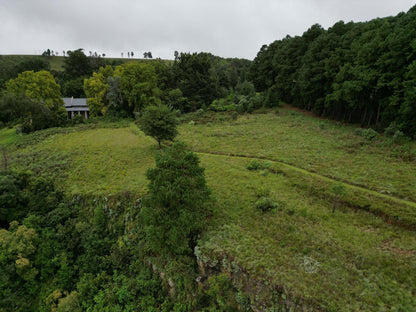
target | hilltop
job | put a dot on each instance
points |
(57, 62)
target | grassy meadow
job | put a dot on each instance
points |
(361, 257)
(319, 146)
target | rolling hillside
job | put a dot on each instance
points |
(313, 248)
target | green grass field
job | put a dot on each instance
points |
(315, 145)
(359, 258)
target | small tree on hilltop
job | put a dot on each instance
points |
(159, 122)
(176, 210)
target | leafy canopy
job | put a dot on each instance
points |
(159, 122)
(40, 86)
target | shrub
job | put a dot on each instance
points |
(359, 131)
(399, 137)
(77, 119)
(369, 134)
(391, 130)
(254, 164)
(265, 204)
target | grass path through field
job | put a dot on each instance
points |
(391, 216)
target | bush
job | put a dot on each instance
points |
(359, 131)
(400, 137)
(265, 204)
(77, 119)
(254, 165)
(369, 134)
(222, 105)
(391, 130)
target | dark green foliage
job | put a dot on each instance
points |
(35, 64)
(265, 204)
(15, 107)
(77, 64)
(73, 88)
(22, 194)
(176, 100)
(176, 210)
(115, 95)
(159, 122)
(255, 164)
(370, 134)
(355, 72)
(61, 259)
(193, 75)
(11, 66)
(13, 198)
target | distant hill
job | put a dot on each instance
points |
(57, 62)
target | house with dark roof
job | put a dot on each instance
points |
(76, 107)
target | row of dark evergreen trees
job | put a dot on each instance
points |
(355, 72)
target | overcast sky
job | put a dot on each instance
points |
(227, 28)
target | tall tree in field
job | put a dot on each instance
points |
(176, 210)
(159, 122)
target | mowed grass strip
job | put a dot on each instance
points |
(342, 261)
(102, 161)
(316, 145)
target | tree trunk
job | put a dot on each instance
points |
(378, 116)
(364, 116)
(369, 118)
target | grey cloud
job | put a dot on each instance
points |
(228, 28)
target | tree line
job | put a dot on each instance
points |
(112, 87)
(354, 72)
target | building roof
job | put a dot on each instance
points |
(76, 104)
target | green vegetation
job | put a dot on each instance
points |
(353, 72)
(259, 207)
(175, 212)
(273, 222)
(319, 146)
(159, 122)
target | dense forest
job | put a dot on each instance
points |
(354, 72)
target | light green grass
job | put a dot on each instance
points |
(98, 162)
(312, 144)
(362, 263)
(8, 136)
